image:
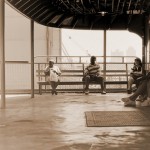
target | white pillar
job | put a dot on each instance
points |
(2, 51)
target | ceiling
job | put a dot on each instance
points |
(130, 15)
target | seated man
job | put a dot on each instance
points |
(142, 92)
(92, 73)
(135, 74)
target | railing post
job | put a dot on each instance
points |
(80, 59)
(56, 59)
(2, 51)
(122, 59)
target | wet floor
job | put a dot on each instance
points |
(58, 123)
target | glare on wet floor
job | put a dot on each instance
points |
(58, 123)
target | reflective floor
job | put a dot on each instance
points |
(58, 123)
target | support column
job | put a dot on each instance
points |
(143, 53)
(148, 49)
(2, 51)
(32, 59)
(145, 42)
(48, 43)
(149, 46)
(104, 54)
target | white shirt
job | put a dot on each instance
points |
(54, 73)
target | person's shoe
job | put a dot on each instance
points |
(126, 99)
(86, 91)
(129, 91)
(103, 92)
(141, 98)
(130, 103)
(55, 92)
(145, 102)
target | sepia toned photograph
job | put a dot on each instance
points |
(74, 74)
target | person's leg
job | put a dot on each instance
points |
(130, 82)
(87, 82)
(53, 86)
(50, 83)
(142, 90)
(100, 80)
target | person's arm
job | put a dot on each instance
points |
(139, 70)
(98, 70)
(58, 71)
(144, 77)
(86, 71)
(47, 71)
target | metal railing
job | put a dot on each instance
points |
(18, 73)
(85, 59)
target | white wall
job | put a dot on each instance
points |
(17, 36)
(18, 48)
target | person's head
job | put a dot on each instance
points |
(138, 61)
(93, 60)
(51, 63)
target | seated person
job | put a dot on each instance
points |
(142, 92)
(52, 73)
(92, 73)
(136, 73)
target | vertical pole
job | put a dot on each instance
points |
(48, 43)
(104, 66)
(2, 51)
(148, 50)
(32, 59)
(143, 53)
(149, 45)
(145, 42)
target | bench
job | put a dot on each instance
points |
(41, 83)
(76, 75)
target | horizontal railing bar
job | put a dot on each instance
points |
(17, 62)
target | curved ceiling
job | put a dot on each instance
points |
(87, 14)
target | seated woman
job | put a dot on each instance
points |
(142, 92)
(92, 73)
(52, 73)
(136, 73)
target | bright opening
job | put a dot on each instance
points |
(87, 43)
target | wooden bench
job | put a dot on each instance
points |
(73, 73)
(41, 83)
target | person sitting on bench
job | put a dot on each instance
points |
(142, 94)
(135, 74)
(92, 73)
(52, 73)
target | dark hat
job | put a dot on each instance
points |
(138, 59)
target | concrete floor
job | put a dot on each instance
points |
(58, 123)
